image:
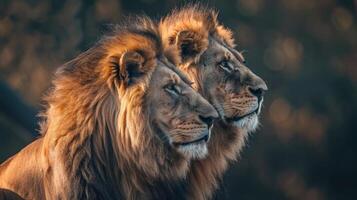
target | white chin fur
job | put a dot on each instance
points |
(249, 123)
(194, 151)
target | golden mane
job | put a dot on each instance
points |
(197, 18)
(96, 144)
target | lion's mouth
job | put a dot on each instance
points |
(204, 138)
(238, 118)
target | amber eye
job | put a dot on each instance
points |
(173, 89)
(226, 66)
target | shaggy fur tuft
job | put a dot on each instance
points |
(195, 18)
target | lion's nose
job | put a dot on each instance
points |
(258, 90)
(255, 84)
(206, 112)
(208, 120)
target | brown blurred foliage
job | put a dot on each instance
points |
(306, 50)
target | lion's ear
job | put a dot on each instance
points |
(190, 44)
(129, 66)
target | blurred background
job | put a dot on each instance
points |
(306, 50)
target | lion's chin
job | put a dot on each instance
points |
(248, 123)
(194, 151)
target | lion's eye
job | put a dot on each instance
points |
(173, 89)
(226, 66)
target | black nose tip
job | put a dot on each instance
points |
(258, 92)
(207, 120)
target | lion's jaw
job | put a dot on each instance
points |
(249, 122)
(194, 151)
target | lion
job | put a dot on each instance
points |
(122, 123)
(204, 50)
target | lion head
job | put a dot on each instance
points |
(204, 50)
(176, 114)
(121, 112)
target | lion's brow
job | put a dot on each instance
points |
(182, 76)
(237, 54)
